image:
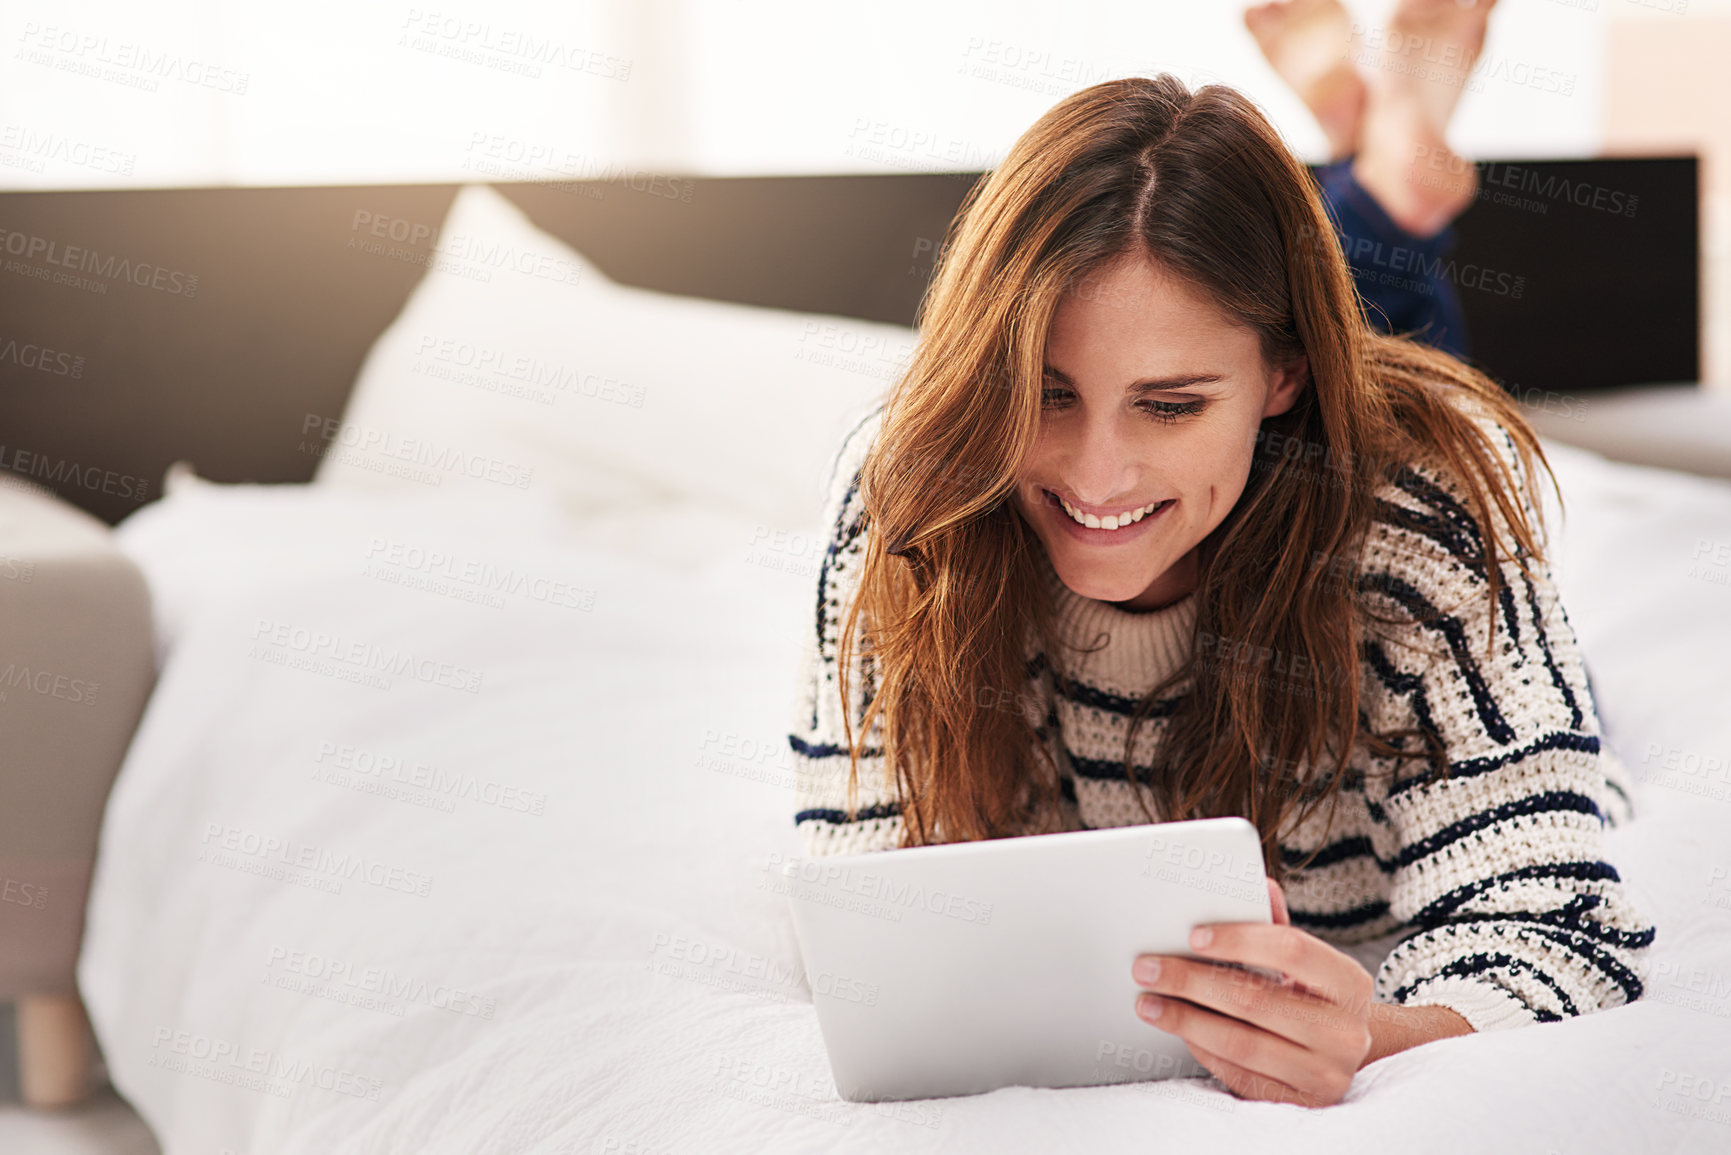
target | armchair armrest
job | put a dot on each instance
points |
(1680, 426)
(76, 667)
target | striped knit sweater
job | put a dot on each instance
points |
(1486, 892)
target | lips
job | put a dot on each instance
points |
(1111, 523)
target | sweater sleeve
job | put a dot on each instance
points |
(817, 737)
(1498, 877)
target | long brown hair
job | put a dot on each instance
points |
(950, 588)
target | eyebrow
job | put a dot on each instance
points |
(1152, 384)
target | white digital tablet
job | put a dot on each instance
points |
(964, 967)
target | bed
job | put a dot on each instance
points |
(449, 824)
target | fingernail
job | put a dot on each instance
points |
(1201, 937)
(1147, 970)
(1150, 1006)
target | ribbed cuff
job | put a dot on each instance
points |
(819, 839)
(1486, 1006)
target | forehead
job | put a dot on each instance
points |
(1141, 310)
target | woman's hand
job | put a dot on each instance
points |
(1297, 1040)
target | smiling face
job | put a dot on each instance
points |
(1152, 398)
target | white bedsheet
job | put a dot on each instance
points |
(593, 966)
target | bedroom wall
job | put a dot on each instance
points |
(222, 92)
(217, 92)
(1667, 90)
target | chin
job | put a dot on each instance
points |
(1101, 587)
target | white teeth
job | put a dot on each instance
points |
(1111, 521)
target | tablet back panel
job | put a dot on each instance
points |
(960, 968)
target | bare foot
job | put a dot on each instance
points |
(1309, 43)
(1434, 44)
(1420, 64)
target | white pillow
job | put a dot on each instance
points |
(517, 367)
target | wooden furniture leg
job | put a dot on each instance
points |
(54, 1053)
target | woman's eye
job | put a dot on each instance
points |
(1166, 412)
(1170, 411)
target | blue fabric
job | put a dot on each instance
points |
(1401, 278)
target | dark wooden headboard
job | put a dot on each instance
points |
(140, 327)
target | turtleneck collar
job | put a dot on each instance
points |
(1141, 647)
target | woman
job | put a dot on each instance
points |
(1155, 527)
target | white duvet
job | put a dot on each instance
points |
(445, 829)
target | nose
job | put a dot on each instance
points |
(1100, 463)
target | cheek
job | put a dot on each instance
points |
(1034, 468)
(1042, 448)
(1224, 453)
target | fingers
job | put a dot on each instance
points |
(1277, 899)
(1302, 957)
(1298, 1016)
(1256, 1053)
(1247, 1084)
